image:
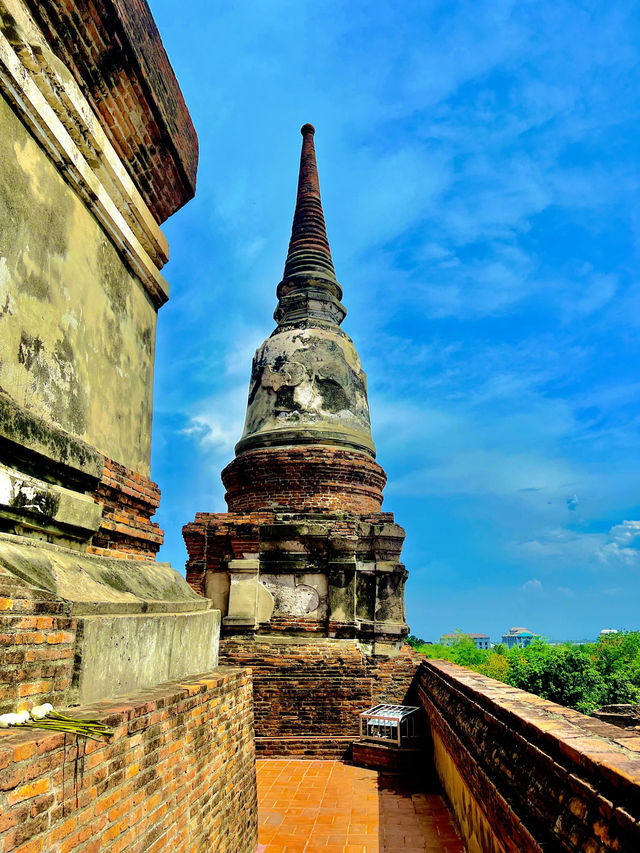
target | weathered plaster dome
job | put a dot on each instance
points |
(307, 386)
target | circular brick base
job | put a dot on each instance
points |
(304, 479)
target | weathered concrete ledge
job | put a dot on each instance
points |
(178, 775)
(524, 774)
(127, 623)
(98, 585)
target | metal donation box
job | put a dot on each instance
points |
(392, 724)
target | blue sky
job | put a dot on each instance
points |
(479, 171)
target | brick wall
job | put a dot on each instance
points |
(524, 774)
(215, 537)
(307, 696)
(304, 478)
(128, 500)
(36, 646)
(114, 51)
(179, 775)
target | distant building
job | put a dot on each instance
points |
(606, 632)
(518, 637)
(482, 641)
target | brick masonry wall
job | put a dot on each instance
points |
(304, 478)
(524, 774)
(36, 646)
(115, 52)
(308, 695)
(214, 537)
(128, 500)
(179, 775)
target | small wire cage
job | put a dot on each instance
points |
(399, 724)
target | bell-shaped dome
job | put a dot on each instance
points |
(307, 383)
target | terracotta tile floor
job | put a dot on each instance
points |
(331, 807)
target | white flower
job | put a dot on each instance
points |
(41, 711)
(25, 716)
(7, 720)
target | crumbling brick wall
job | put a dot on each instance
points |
(128, 501)
(179, 775)
(308, 695)
(304, 478)
(36, 646)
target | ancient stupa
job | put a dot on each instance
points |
(304, 548)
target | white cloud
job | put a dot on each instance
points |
(625, 533)
(611, 554)
(561, 548)
(218, 422)
(533, 585)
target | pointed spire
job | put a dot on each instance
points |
(309, 253)
(309, 288)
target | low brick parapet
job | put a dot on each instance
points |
(525, 774)
(37, 641)
(178, 775)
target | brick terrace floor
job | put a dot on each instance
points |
(309, 806)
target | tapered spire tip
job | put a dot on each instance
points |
(309, 287)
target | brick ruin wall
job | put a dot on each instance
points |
(128, 501)
(36, 646)
(235, 535)
(307, 696)
(178, 775)
(525, 775)
(307, 478)
(115, 52)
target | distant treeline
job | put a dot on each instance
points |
(583, 677)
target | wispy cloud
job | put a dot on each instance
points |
(217, 422)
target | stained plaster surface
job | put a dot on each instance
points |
(306, 384)
(92, 584)
(77, 328)
(122, 653)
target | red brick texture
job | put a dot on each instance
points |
(115, 52)
(215, 537)
(128, 500)
(307, 696)
(305, 478)
(179, 775)
(36, 646)
(543, 776)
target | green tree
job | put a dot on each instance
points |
(617, 657)
(564, 674)
(582, 677)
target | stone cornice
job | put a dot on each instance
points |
(47, 98)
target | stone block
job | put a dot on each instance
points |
(35, 505)
(119, 653)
